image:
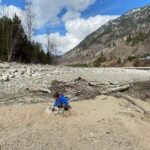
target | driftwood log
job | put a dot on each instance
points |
(116, 89)
(44, 90)
(138, 103)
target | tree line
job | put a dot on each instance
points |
(15, 45)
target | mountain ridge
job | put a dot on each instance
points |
(120, 38)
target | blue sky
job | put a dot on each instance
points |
(103, 7)
(18, 3)
(114, 7)
(65, 19)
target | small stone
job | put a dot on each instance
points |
(22, 72)
(107, 132)
(12, 76)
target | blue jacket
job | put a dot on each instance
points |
(62, 100)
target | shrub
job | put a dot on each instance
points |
(119, 60)
(99, 60)
(131, 58)
(136, 63)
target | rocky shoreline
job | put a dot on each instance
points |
(18, 80)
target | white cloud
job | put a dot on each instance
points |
(77, 30)
(70, 15)
(49, 10)
(10, 11)
(82, 27)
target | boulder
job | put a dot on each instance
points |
(12, 76)
(5, 78)
(21, 72)
(4, 65)
(56, 72)
(12, 71)
(114, 83)
(93, 83)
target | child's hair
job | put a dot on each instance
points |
(56, 95)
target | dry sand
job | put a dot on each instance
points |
(106, 123)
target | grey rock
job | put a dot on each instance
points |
(12, 76)
(114, 83)
(4, 65)
(13, 70)
(5, 78)
(21, 72)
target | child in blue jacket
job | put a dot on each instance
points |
(61, 101)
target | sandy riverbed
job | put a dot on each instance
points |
(106, 123)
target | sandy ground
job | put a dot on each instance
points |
(106, 123)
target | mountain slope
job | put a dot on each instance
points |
(128, 35)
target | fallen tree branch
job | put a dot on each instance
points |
(138, 103)
(116, 89)
(39, 90)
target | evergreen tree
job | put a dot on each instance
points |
(15, 46)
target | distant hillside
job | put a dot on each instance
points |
(125, 38)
